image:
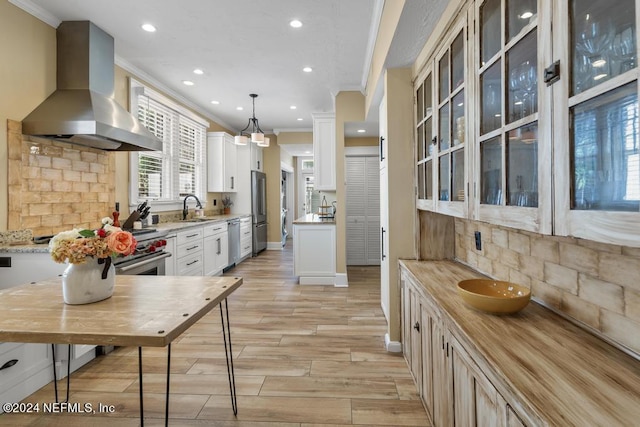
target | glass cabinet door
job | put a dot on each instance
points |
(508, 52)
(599, 171)
(424, 145)
(449, 158)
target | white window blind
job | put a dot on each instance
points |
(178, 170)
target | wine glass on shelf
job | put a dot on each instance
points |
(594, 40)
(527, 81)
(624, 48)
(517, 96)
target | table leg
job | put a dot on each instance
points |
(55, 376)
(140, 380)
(166, 408)
(228, 352)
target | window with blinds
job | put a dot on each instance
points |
(179, 169)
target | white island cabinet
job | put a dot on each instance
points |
(314, 250)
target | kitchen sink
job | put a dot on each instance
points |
(197, 220)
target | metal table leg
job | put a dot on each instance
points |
(55, 376)
(166, 408)
(228, 352)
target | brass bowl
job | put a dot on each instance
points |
(494, 296)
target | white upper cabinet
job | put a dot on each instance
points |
(256, 158)
(221, 163)
(324, 151)
(597, 161)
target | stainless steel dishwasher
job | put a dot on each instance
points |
(234, 242)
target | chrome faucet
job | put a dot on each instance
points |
(185, 210)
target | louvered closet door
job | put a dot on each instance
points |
(363, 211)
(373, 210)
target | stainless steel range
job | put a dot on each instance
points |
(148, 259)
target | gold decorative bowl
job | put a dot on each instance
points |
(494, 296)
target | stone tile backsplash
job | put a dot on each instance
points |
(594, 283)
(55, 186)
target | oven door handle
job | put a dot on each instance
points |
(145, 262)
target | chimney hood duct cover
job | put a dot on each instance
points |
(83, 110)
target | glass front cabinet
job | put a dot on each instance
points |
(520, 127)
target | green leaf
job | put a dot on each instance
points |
(87, 233)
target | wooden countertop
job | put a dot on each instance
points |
(143, 311)
(565, 374)
(314, 219)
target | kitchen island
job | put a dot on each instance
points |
(314, 250)
(143, 311)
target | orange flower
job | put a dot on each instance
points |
(121, 242)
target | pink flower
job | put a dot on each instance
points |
(121, 242)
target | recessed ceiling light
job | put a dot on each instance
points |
(600, 76)
(307, 69)
(198, 71)
(293, 107)
(149, 28)
(239, 108)
(299, 119)
(214, 102)
(599, 63)
(188, 82)
(295, 23)
(526, 15)
(361, 131)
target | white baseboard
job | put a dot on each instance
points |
(274, 246)
(342, 281)
(392, 346)
(317, 280)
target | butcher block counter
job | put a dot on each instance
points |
(543, 366)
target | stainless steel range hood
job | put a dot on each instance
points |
(82, 110)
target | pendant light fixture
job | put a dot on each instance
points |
(257, 135)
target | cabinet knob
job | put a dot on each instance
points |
(417, 326)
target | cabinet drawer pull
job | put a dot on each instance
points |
(192, 262)
(193, 247)
(417, 326)
(9, 364)
(192, 235)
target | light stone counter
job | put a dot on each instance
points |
(314, 219)
(7, 246)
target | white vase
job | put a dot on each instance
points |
(83, 283)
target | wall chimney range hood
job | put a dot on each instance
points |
(83, 110)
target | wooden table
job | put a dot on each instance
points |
(143, 311)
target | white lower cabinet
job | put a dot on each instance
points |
(22, 268)
(246, 238)
(24, 368)
(216, 248)
(454, 390)
(314, 254)
(189, 253)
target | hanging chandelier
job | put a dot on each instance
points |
(256, 134)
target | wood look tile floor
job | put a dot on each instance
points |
(304, 356)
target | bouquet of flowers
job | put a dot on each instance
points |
(78, 244)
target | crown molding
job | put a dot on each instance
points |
(37, 11)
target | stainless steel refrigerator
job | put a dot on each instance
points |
(259, 211)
